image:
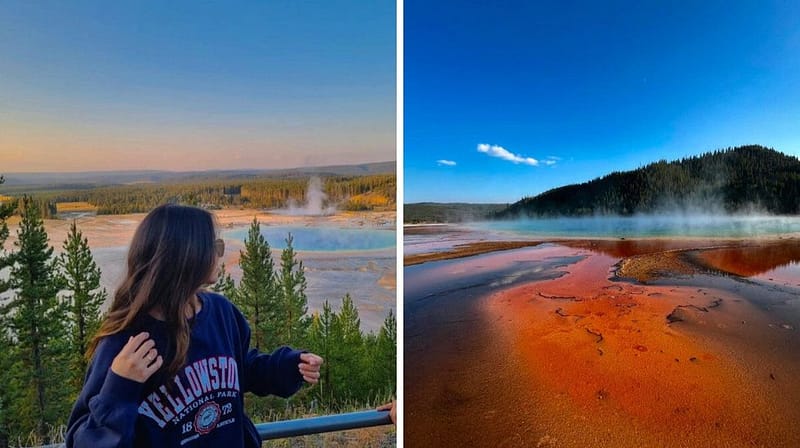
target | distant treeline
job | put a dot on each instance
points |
(371, 192)
(741, 179)
(433, 212)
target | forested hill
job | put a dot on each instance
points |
(436, 212)
(730, 180)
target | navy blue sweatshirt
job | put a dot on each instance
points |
(202, 406)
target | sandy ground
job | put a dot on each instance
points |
(369, 276)
(652, 343)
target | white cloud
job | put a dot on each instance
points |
(551, 160)
(503, 153)
(446, 162)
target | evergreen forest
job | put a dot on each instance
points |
(733, 180)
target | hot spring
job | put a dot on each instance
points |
(322, 238)
(706, 226)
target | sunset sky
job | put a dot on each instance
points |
(508, 99)
(88, 86)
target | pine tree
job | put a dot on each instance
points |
(292, 320)
(348, 352)
(6, 394)
(82, 278)
(6, 210)
(36, 319)
(257, 293)
(385, 359)
(320, 341)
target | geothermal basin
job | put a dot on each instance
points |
(341, 253)
(516, 338)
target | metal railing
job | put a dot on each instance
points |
(326, 423)
(312, 425)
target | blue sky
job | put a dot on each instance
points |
(586, 88)
(186, 85)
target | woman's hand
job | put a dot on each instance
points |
(138, 359)
(309, 367)
(392, 408)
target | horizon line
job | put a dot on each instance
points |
(212, 170)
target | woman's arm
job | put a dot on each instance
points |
(106, 411)
(280, 373)
(273, 374)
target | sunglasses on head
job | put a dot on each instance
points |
(219, 247)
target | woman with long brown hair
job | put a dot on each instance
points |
(171, 361)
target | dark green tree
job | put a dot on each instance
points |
(291, 317)
(258, 291)
(320, 341)
(6, 394)
(347, 353)
(6, 210)
(35, 319)
(84, 298)
(383, 364)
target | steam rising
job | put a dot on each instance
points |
(664, 225)
(315, 202)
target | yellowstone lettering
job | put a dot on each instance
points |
(196, 384)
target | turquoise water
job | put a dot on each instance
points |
(322, 238)
(647, 226)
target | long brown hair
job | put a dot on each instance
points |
(171, 256)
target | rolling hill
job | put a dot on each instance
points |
(742, 179)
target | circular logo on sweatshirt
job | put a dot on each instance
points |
(207, 417)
